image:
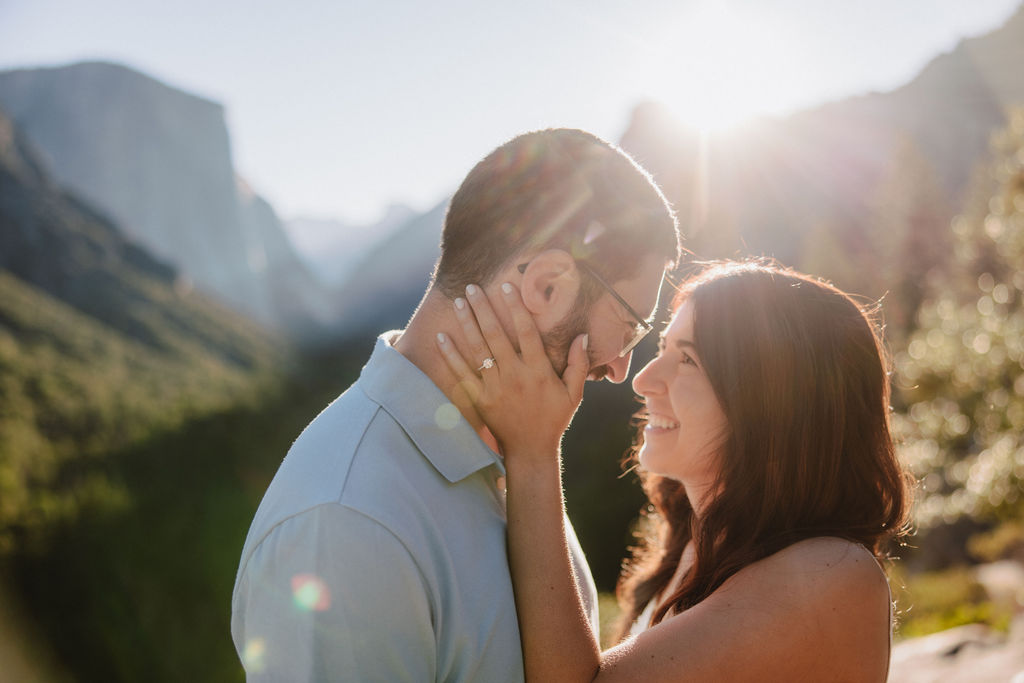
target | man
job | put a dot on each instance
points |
(378, 552)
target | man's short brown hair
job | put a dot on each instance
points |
(554, 189)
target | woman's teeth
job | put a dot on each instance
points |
(659, 422)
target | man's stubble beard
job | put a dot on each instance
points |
(558, 339)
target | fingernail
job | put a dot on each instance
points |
(471, 290)
(507, 288)
(586, 340)
(441, 338)
(460, 303)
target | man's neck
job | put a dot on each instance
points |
(418, 344)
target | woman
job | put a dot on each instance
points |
(770, 464)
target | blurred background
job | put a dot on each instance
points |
(208, 211)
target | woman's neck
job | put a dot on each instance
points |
(686, 561)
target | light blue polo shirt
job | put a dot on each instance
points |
(378, 552)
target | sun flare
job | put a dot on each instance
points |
(719, 66)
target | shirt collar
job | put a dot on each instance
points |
(433, 423)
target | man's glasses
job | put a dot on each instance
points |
(640, 330)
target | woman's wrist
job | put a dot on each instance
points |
(533, 467)
(531, 456)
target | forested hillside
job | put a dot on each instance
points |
(118, 386)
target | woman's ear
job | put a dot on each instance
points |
(550, 286)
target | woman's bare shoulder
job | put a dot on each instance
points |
(812, 570)
(835, 563)
(831, 599)
(815, 610)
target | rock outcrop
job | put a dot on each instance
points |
(965, 654)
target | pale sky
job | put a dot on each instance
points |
(339, 107)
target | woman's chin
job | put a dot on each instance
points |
(652, 461)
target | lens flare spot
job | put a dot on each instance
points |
(447, 416)
(252, 656)
(310, 593)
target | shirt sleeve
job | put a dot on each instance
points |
(332, 595)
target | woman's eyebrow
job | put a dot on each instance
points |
(688, 348)
(678, 343)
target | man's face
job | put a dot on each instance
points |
(609, 324)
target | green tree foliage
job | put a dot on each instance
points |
(962, 373)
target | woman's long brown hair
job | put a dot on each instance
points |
(799, 370)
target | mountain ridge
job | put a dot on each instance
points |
(780, 177)
(332, 248)
(784, 181)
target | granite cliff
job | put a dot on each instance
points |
(59, 247)
(157, 160)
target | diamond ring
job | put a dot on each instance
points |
(488, 363)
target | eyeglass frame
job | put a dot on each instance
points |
(642, 327)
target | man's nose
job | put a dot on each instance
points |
(618, 369)
(643, 378)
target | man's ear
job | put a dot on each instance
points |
(550, 286)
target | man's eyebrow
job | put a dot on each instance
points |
(632, 318)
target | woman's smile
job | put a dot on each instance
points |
(659, 424)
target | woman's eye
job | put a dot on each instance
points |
(687, 360)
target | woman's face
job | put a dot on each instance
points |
(685, 423)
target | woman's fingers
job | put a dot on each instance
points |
(455, 361)
(575, 375)
(493, 334)
(477, 348)
(530, 343)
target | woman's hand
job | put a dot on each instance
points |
(520, 397)
(527, 407)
